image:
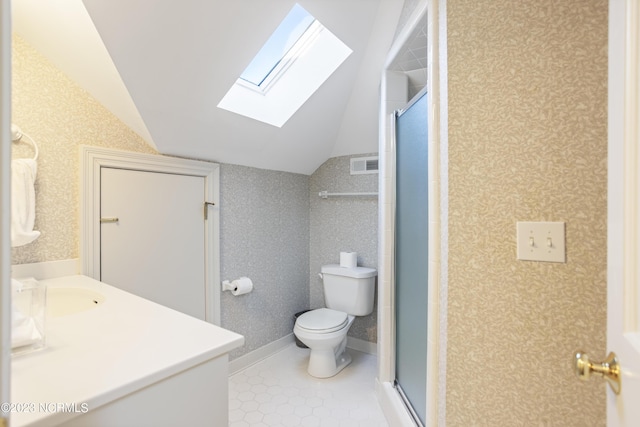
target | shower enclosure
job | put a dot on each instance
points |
(412, 272)
(411, 255)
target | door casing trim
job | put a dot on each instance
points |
(92, 159)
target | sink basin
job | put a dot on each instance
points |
(65, 301)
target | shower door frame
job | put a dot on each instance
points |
(390, 402)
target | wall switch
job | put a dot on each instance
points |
(541, 241)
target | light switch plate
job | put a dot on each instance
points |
(541, 241)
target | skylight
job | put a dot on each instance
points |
(281, 41)
(296, 60)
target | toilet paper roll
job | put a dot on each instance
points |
(348, 259)
(242, 286)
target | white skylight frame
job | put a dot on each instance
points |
(307, 65)
(297, 50)
(292, 28)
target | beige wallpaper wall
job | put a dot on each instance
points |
(59, 116)
(527, 141)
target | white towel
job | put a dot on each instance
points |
(23, 201)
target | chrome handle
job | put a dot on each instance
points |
(609, 369)
(108, 220)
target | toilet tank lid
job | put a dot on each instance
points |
(355, 272)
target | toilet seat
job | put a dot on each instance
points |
(322, 320)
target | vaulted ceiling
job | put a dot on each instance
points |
(162, 66)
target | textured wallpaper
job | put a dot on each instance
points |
(528, 142)
(59, 116)
(264, 233)
(343, 224)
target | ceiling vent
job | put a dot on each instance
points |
(362, 165)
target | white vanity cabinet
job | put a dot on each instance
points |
(125, 362)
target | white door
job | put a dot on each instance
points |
(5, 168)
(623, 307)
(153, 237)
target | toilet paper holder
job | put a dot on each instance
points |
(227, 286)
(239, 286)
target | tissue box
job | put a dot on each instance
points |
(28, 315)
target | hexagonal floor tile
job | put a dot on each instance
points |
(278, 391)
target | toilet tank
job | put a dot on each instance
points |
(349, 290)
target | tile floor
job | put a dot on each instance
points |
(277, 391)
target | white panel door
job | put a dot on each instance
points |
(5, 174)
(156, 247)
(623, 305)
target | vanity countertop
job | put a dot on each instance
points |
(102, 354)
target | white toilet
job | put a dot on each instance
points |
(348, 292)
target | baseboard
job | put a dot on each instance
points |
(362, 345)
(259, 354)
(392, 406)
(47, 270)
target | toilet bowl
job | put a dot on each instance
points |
(348, 292)
(324, 331)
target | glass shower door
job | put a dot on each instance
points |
(411, 256)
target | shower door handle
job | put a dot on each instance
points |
(609, 369)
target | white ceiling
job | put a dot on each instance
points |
(162, 67)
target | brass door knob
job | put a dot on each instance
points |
(609, 369)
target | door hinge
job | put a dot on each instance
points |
(206, 209)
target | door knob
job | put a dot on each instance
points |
(609, 369)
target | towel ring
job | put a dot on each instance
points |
(17, 135)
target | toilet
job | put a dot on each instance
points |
(348, 292)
